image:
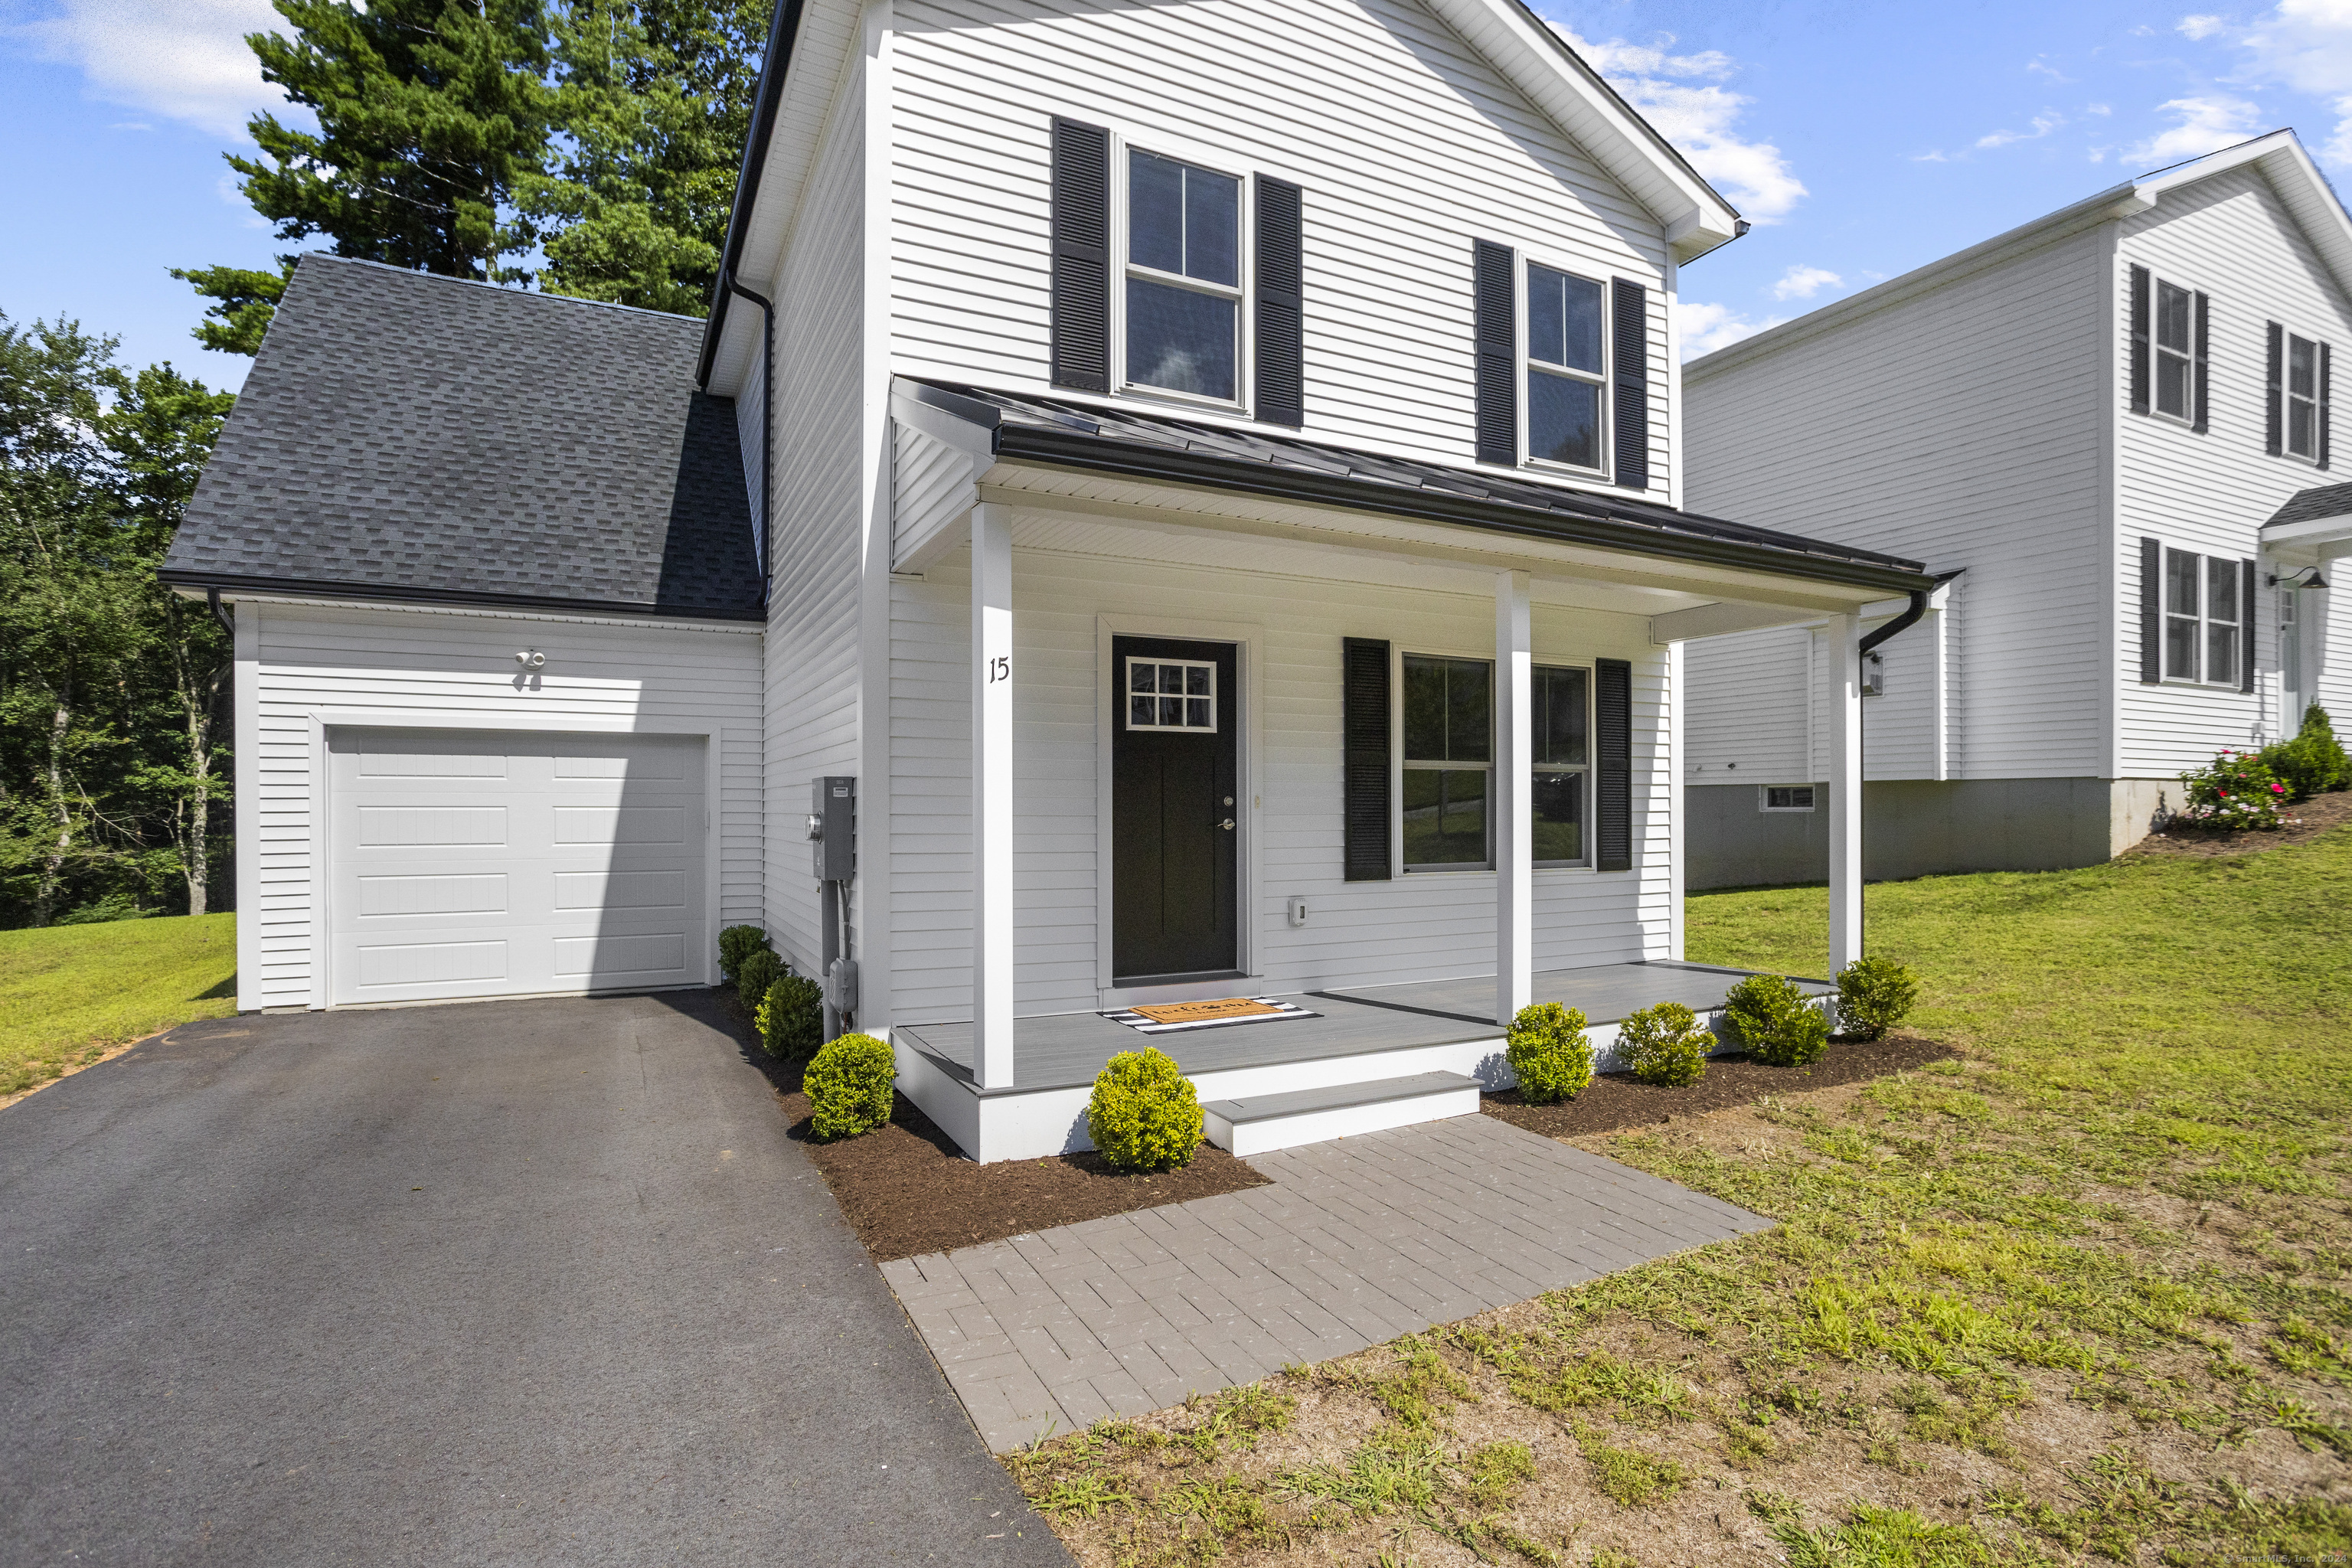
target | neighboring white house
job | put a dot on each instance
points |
(2095, 429)
(1220, 537)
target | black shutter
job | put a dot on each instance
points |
(1495, 286)
(2204, 306)
(2139, 340)
(2246, 626)
(1612, 812)
(1629, 320)
(2273, 439)
(1364, 759)
(1280, 368)
(2151, 612)
(2323, 357)
(1081, 244)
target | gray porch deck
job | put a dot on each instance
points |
(1066, 1050)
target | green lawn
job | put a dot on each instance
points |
(2081, 1296)
(68, 993)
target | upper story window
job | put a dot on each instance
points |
(2203, 619)
(2295, 417)
(1184, 291)
(2302, 397)
(2175, 385)
(1565, 368)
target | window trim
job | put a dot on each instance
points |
(2204, 619)
(1601, 380)
(1764, 797)
(1585, 768)
(2158, 282)
(2288, 338)
(1243, 295)
(1405, 765)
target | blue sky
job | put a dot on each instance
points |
(1863, 140)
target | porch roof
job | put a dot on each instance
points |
(1064, 433)
(1066, 1050)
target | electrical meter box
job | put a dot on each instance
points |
(833, 827)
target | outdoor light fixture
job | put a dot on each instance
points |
(530, 658)
(2307, 578)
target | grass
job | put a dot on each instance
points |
(2084, 1295)
(70, 993)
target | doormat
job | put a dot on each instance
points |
(1164, 1017)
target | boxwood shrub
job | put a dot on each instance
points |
(760, 969)
(1145, 1114)
(1874, 995)
(1666, 1045)
(737, 944)
(849, 1087)
(792, 1017)
(1548, 1050)
(1777, 1023)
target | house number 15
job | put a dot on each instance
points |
(999, 668)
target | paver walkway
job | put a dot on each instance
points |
(1355, 1242)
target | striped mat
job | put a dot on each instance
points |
(1171, 1017)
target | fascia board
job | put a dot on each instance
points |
(2116, 202)
(2311, 531)
(1539, 63)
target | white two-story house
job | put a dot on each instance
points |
(2108, 432)
(1212, 533)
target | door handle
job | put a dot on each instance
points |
(1227, 825)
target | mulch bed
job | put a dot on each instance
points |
(2312, 819)
(1613, 1101)
(907, 1189)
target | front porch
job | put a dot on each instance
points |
(1358, 1036)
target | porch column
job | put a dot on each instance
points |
(992, 796)
(1514, 814)
(1844, 695)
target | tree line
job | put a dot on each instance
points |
(579, 147)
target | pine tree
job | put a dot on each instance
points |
(654, 107)
(244, 301)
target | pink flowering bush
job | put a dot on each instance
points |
(2234, 792)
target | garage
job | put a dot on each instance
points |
(497, 863)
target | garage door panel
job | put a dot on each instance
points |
(428, 893)
(577, 892)
(491, 863)
(620, 824)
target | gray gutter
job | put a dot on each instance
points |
(368, 592)
(775, 64)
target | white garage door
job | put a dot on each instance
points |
(491, 863)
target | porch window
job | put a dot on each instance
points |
(1562, 759)
(2202, 640)
(1183, 278)
(1564, 367)
(1449, 763)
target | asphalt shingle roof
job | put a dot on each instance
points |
(411, 437)
(1482, 498)
(2311, 505)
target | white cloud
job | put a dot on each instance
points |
(185, 59)
(2043, 124)
(1706, 328)
(1698, 119)
(2040, 67)
(2195, 28)
(2201, 125)
(1802, 282)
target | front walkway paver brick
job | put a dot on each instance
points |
(1355, 1242)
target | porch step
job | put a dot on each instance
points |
(1263, 1122)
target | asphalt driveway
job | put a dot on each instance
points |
(507, 1282)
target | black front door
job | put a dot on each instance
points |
(1175, 809)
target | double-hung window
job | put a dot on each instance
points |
(2302, 397)
(1449, 763)
(1183, 293)
(1562, 758)
(2203, 640)
(2175, 363)
(1566, 374)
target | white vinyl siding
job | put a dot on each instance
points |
(416, 668)
(1959, 427)
(2210, 494)
(1411, 928)
(1406, 142)
(814, 569)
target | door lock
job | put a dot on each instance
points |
(1227, 825)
